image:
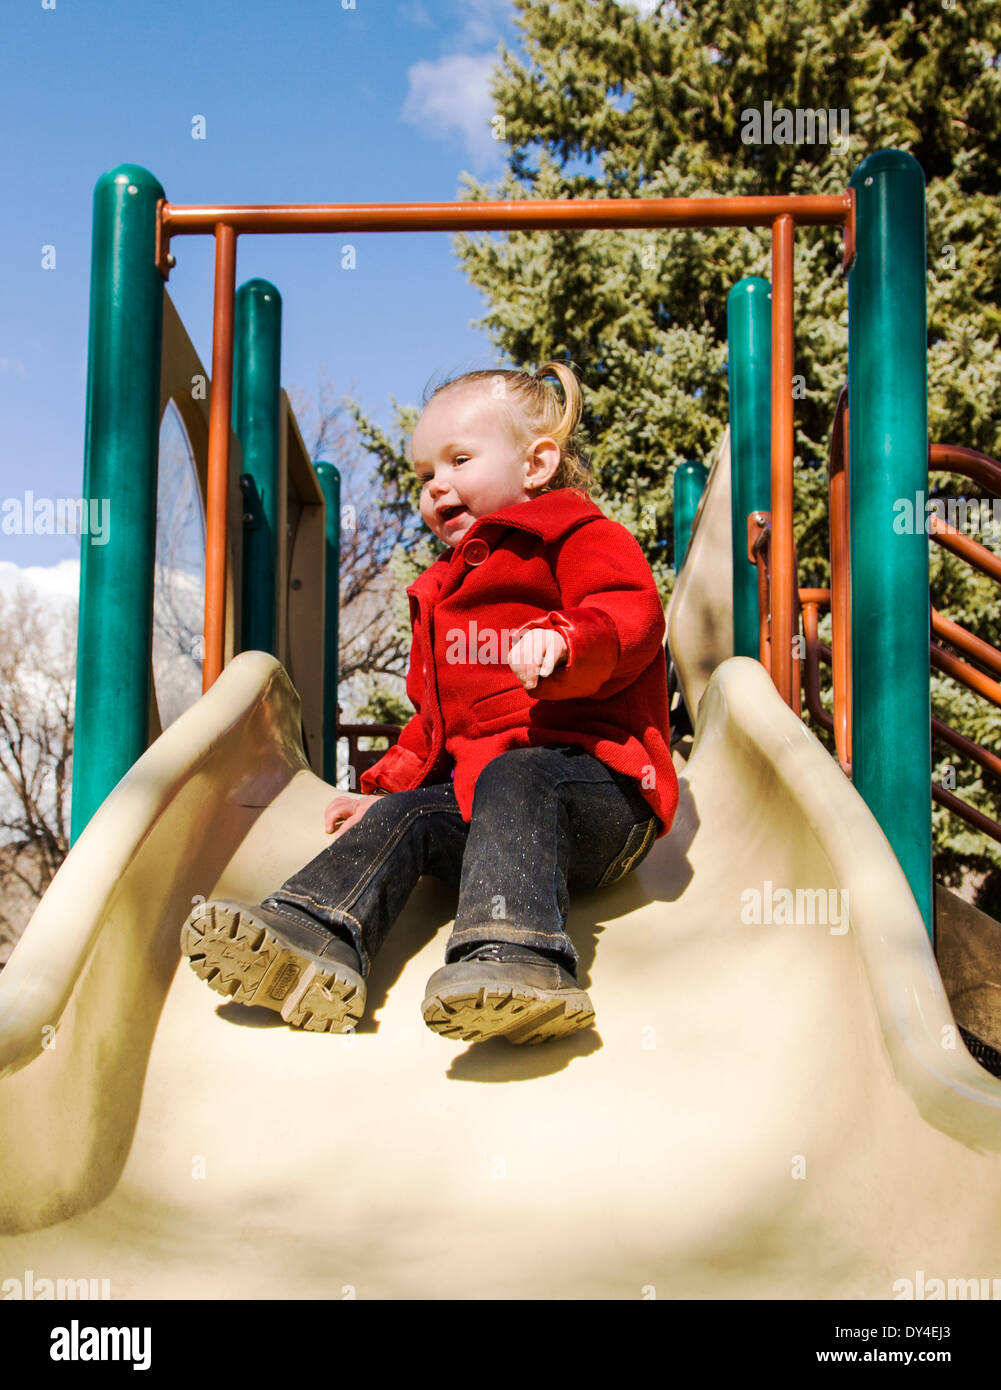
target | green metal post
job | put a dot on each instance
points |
(121, 443)
(888, 453)
(689, 485)
(749, 338)
(330, 483)
(257, 333)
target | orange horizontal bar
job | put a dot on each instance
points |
(969, 463)
(966, 674)
(969, 644)
(527, 214)
(968, 549)
(975, 554)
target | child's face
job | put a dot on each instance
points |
(468, 464)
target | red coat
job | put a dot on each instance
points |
(556, 561)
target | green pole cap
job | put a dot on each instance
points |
(131, 176)
(883, 162)
(751, 284)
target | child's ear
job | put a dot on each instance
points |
(542, 461)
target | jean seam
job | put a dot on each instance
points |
(479, 931)
(592, 782)
(351, 921)
(388, 844)
(557, 780)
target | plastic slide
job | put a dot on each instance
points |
(774, 1100)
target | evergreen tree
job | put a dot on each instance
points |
(607, 103)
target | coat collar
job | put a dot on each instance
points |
(549, 517)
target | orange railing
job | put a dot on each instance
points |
(782, 214)
(968, 463)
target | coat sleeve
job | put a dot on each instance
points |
(612, 618)
(400, 766)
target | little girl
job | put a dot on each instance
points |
(537, 760)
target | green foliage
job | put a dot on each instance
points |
(383, 706)
(606, 103)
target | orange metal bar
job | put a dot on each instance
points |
(966, 548)
(783, 572)
(797, 665)
(227, 222)
(848, 258)
(814, 650)
(220, 414)
(968, 813)
(810, 598)
(970, 463)
(759, 526)
(969, 644)
(519, 214)
(968, 675)
(841, 581)
(812, 664)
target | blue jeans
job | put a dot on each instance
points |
(544, 820)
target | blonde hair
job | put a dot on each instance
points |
(531, 405)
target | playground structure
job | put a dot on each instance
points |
(750, 1045)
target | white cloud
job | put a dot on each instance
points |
(416, 13)
(645, 8)
(179, 603)
(481, 21)
(53, 592)
(59, 584)
(450, 96)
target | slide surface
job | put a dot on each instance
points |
(764, 1108)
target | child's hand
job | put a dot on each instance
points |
(348, 809)
(536, 655)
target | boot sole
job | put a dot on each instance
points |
(240, 957)
(471, 1013)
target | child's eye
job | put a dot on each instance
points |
(459, 457)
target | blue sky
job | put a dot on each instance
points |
(304, 101)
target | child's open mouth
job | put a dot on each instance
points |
(447, 514)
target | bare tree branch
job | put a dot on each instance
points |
(37, 689)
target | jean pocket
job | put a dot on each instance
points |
(637, 846)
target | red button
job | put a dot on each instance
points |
(475, 552)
